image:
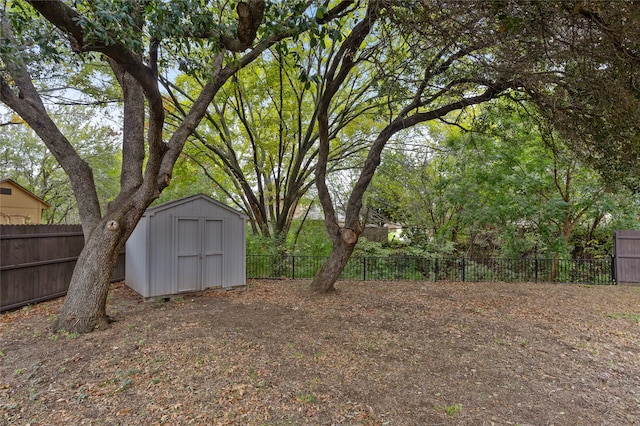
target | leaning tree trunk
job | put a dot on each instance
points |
(325, 279)
(84, 307)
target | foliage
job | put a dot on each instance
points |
(435, 60)
(26, 160)
(189, 180)
(507, 188)
(257, 144)
(596, 108)
(312, 238)
(366, 248)
(46, 47)
(309, 239)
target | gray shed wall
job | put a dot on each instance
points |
(136, 259)
(189, 245)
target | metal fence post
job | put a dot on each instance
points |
(364, 269)
(463, 270)
(293, 267)
(613, 269)
(536, 263)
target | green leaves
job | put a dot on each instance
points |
(25, 159)
(504, 188)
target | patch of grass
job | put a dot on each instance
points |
(296, 353)
(122, 379)
(159, 302)
(33, 395)
(68, 335)
(307, 398)
(477, 310)
(624, 315)
(81, 395)
(124, 384)
(450, 410)
(19, 371)
(252, 374)
(63, 333)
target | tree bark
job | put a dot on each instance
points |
(325, 279)
(413, 113)
(143, 176)
(84, 308)
(343, 239)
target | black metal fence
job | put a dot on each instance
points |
(586, 271)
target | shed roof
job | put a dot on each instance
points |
(170, 204)
(26, 191)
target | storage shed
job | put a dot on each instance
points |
(186, 245)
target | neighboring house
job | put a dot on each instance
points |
(19, 206)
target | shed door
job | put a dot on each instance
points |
(198, 253)
(212, 252)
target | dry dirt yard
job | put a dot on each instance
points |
(373, 353)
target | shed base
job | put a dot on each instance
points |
(179, 297)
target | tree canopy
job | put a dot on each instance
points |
(28, 162)
(172, 64)
(258, 141)
(500, 187)
(131, 43)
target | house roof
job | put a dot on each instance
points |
(14, 183)
(169, 204)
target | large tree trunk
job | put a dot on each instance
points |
(325, 279)
(84, 308)
(344, 239)
(147, 160)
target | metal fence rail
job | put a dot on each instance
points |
(586, 271)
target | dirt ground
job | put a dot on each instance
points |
(374, 353)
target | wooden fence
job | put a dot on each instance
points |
(627, 252)
(37, 261)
